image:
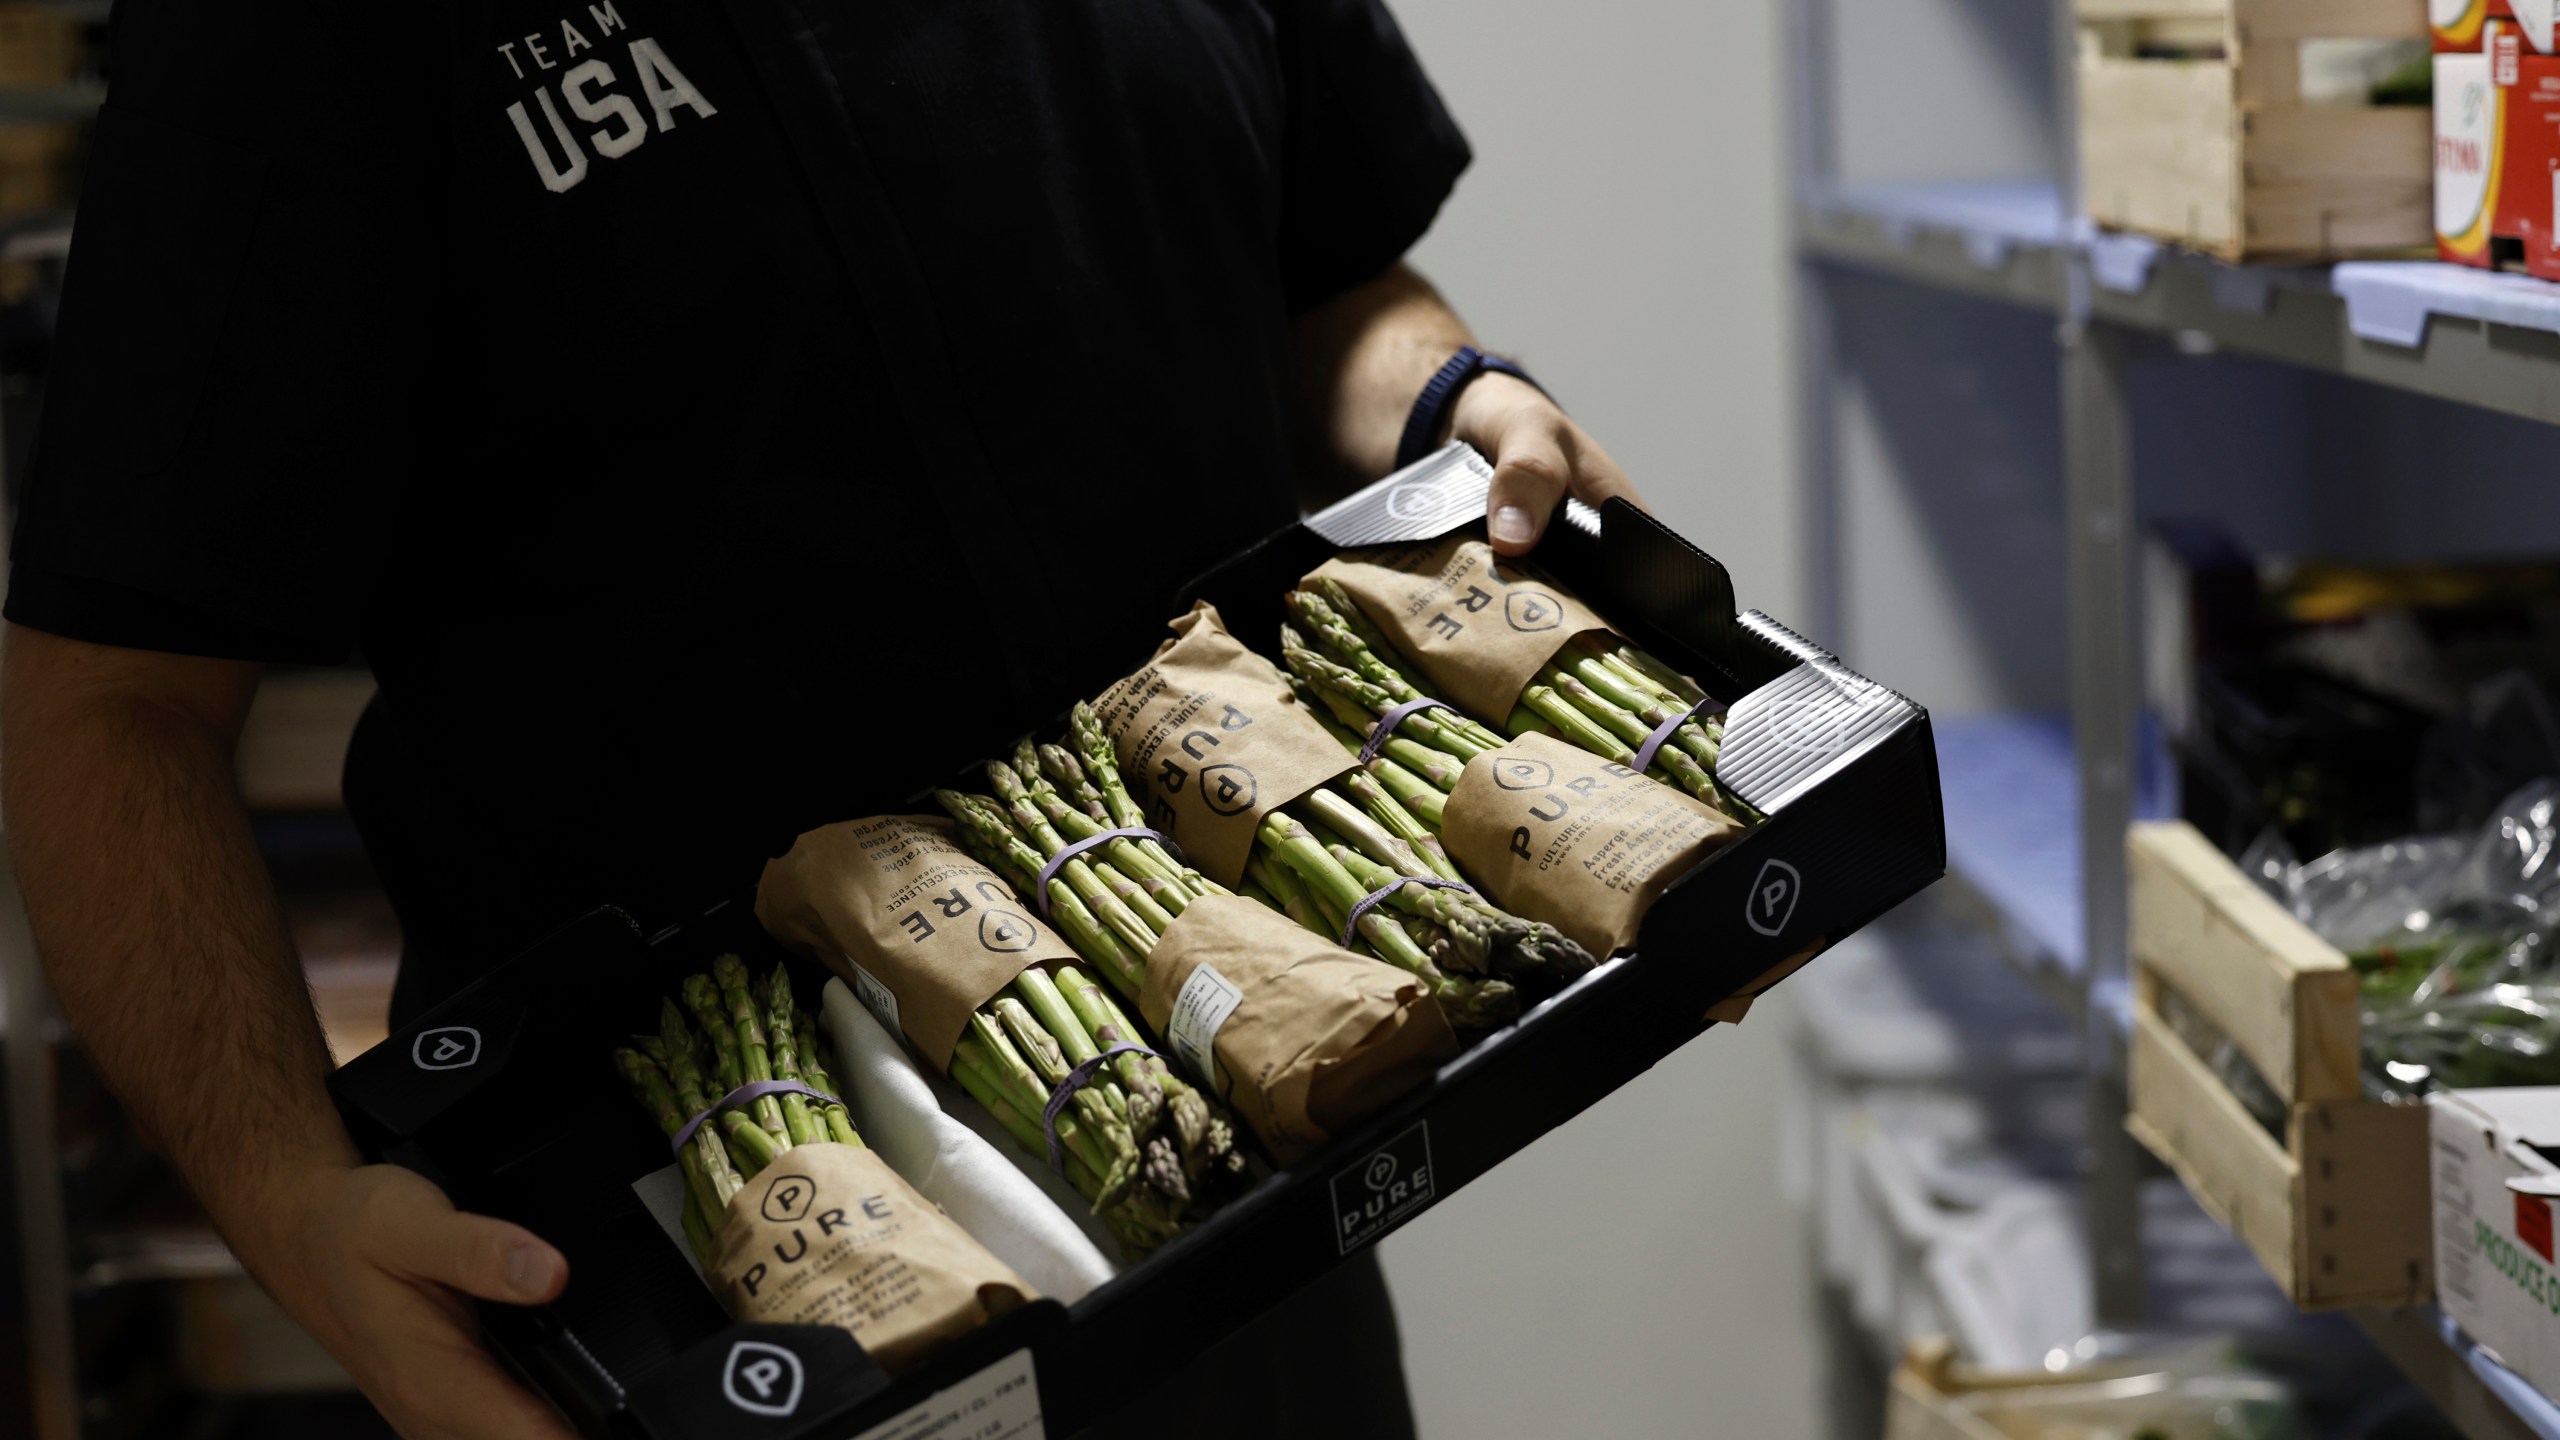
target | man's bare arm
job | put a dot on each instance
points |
(1360, 361)
(164, 939)
(155, 914)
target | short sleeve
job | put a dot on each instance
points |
(1371, 151)
(233, 409)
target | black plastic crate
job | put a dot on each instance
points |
(1844, 769)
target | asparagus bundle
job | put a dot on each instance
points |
(769, 1186)
(1598, 694)
(742, 1033)
(1151, 1152)
(1314, 860)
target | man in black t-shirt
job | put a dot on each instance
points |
(679, 402)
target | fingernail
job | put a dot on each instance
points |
(1512, 526)
(529, 1269)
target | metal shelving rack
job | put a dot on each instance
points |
(2037, 809)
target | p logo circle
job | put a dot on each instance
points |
(1518, 772)
(450, 1047)
(763, 1379)
(1227, 789)
(1381, 1172)
(788, 1197)
(1001, 932)
(1414, 499)
(1531, 611)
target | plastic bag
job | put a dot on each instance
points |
(2451, 937)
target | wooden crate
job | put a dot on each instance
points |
(1937, 1396)
(2223, 155)
(2337, 1209)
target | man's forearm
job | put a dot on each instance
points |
(159, 925)
(1361, 359)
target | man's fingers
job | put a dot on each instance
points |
(1529, 478)
(476, 1255)
(1596, 478)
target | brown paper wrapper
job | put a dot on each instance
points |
(1477, 626)
(1307, 1037)
(1211, 730)
(1558, 834)
(829, 1235)
(923, 933)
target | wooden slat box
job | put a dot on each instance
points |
(2337, 1209)
(2223, 155)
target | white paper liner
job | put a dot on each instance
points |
(958, 1157)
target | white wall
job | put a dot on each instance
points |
(1635, 1273)
(1623, 231)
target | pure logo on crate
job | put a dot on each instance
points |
(453, 1047)
(1380, 1192)
(1772, 901)
(763, 1379)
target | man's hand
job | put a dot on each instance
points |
(1362, 359)
(166, 945)
(376, 1264)
(1539, 457)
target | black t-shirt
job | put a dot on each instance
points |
(710, 417)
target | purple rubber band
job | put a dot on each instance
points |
(1077, 1079)
(1057, 862)
(752, 1091)
(1385, 729)
(1662, 732)
(1351, 927)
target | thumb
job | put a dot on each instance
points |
(1529, 474)
(481, 1257)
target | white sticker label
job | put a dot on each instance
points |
(1001, 1402)
(1207, 999)
(875, 997)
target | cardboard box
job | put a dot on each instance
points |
(2467, 171)
(2495, 1181)
(2527, 206)
(1845, 770)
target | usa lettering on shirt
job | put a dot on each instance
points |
(591, 90)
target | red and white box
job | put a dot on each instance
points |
(2494, 1184)
(2467, 157)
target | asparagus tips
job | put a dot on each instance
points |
(1059, 764)
(707, 1173)
(798, 1117)
(748, 1144)
(755, 1063)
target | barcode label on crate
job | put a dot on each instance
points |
(875, 997)
(1204, 1003)
(2454, 1243)
(1001, 1402)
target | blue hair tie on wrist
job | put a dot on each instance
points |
(1431, 408)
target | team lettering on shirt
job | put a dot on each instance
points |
(589, 87)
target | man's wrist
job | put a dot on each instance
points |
(265, 1220)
